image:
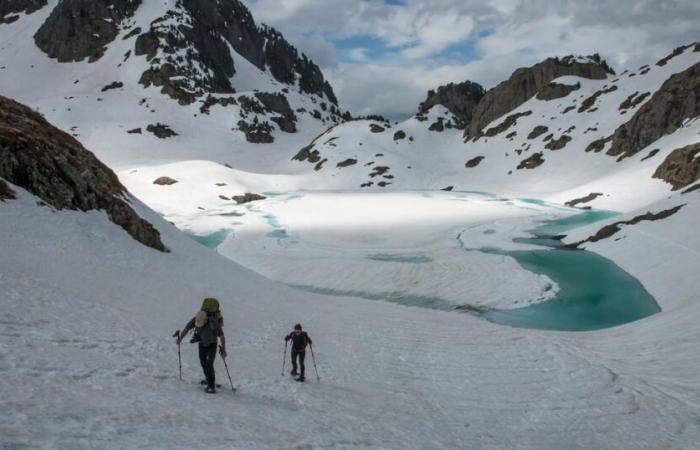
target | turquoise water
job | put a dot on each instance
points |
(212, 240)
(594, 292)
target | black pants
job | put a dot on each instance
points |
(207, 354)
(301, 355)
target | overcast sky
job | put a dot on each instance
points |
(381, 56)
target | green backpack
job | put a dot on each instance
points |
(209, 311)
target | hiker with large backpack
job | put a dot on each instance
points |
(300, 339)
(208, 325)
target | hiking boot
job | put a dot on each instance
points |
(293, 373)
(203, 382)
(210, 390)
(301, 379)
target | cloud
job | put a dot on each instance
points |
(405, 48)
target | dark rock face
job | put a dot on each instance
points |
(459, 99)
(308, 154)
(598, 145)
(160, 130)
(558, 144)
(633, 100)
(399, 135)
(681, 167)
(438, 126)
(135, 131)
(79, 29)
(8, 7)
(114, 85)
(553, 91)
(676, 100)
(5, 192)
(609, 230)
(588, 198)
(54, 166)
(473, 162)
(676, 51)
(538, 131)
(531, 162)
(164, 181)
(590, 101)
(202, 31)
(507, 123)
(256, 132)
(347, 162)
(374, 128)
(524, 83)
(277, 103)
(247, 198)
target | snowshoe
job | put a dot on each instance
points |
(210, 390)
(301, 379)
(293, 373)
(204, 383)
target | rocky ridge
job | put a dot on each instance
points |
(55, 167)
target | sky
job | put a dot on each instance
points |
(382, 56)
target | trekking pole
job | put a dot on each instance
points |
(313, 358)
(284, 356)
(179, 357)
(227, 372)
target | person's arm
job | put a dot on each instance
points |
(308, 339)
(222, 345)
(288, 337)
(185, 330)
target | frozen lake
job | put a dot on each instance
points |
(468, 252)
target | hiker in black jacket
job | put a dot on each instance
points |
(300, 339)
(208, 325)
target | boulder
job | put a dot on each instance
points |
(161, 131)
(538, 131)
(247, 198)
(164, 181)
(473, 162)
(531, 162)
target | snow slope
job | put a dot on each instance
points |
(87, 360)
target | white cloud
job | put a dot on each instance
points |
(505, 34)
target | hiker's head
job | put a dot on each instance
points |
(297, 328)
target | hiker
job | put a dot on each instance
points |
(208, 325)
(300, 339)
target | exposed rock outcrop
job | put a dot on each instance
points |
(676, 100)
(278, 103)
(538, 131)
(256, 132)
(558, 144)
(10, 8)
(374, 128)
(164, 181)
(473, 162)
(585, 199)
(531, 162)
(348, 162)
(202, 31)
(553, 91)
(590, 101)
(247, 198)
(161, 130)
(507, 123)
(79, 29)
(633, 100)
(55, 167)
(609, 230)
(460, 99)
(399, 135)
(5, 192)
(524, 83)
(681, 167)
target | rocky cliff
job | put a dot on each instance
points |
(10, 8)
(459, 98)
(524, 83)
(79, 29)
(55, 167)
(188, 51)
(677, 100)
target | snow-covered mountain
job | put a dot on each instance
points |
(221, 127)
